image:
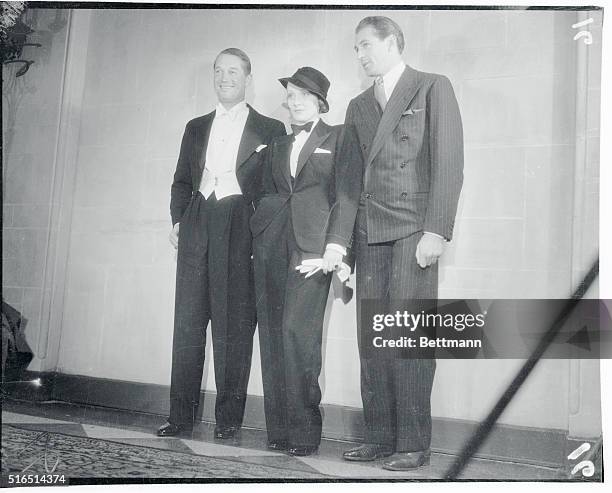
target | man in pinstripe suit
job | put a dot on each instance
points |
(410, 133)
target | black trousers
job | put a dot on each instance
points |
(214, 282)
(396, 393)
(290, 313)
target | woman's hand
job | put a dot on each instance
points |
(331, 260)
(173, 237)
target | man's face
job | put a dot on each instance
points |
(230, 79)
(377, 56)
(303, 105)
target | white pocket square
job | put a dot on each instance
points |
(318, 150)
(260, 147)
(412, 111)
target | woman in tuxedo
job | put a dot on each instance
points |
(310, 188)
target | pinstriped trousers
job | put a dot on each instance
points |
(396, 393)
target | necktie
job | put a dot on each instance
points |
(379, 92)
(296, 129)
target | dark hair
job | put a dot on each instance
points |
(323, 107)
(246, 61)
(383, 26)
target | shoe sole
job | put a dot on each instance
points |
(172, 435)
(316, 452)
(277, 449)
(367, 459)
(391, 468)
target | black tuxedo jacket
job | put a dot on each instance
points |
(258, 130)
(324, 197)
(413, 154)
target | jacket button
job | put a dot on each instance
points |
(364, 146)
(367, 195)
(404, 164)
(404, 195)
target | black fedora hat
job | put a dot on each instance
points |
(312, 80)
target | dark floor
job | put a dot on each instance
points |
(249, 447)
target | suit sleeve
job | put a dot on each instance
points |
(182, 186)
(263, 179)
(279, 129)
(349, 120)
(347, 181)
(268, 181)
(446, 155)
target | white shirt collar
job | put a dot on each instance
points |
(232, 112)
(391, 78)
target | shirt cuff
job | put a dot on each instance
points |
(435, 234)
(338, 248)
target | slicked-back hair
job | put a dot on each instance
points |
(246, 61)
(383, 26)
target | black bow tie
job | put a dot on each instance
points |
(296, 129)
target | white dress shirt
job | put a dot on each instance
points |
(219, 175)
(298, 144)
(390, 80)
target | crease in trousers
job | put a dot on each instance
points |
(214, 282)
(290, 312)
(396, 392)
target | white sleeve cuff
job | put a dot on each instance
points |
(435, 234)
(338, 248)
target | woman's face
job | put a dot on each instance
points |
(303, 105)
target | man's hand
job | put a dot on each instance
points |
(429, 249)
(331, 260)
(173, 236)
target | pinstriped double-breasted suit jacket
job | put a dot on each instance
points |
(413, 157)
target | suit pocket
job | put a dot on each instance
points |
(409, 134)
(323, 165)
(269, 206)
(412, 122)
(191, 258)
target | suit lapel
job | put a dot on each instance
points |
(281, 159)
(316, 138)
(251, 138)
(404, 92)
(202, 139)
(371, 113)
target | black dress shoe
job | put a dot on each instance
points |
(404, 461)
(278, 444)
(368, 452)
(171, 430)
(303, 451)
(225, 432)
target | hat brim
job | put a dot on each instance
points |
(304, 85)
